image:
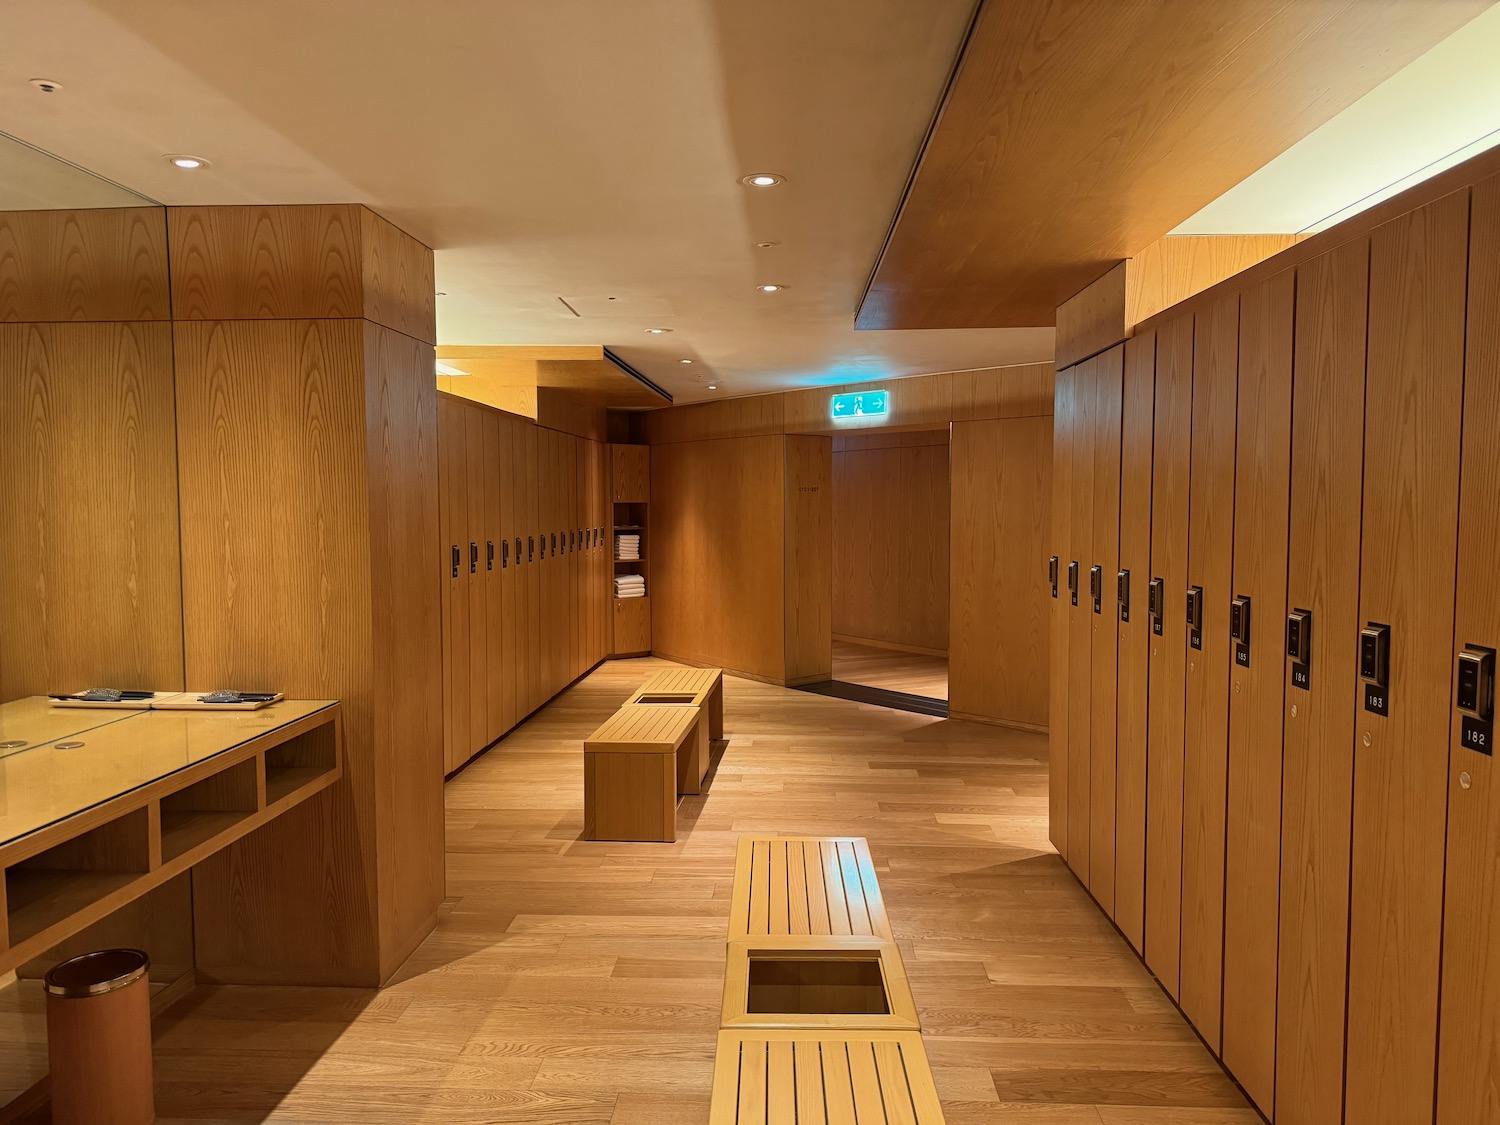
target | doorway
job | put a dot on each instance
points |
(891, 536)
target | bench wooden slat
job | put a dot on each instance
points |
(806, 885)
(759, 888)
(837, 1084)
(833, 883)
(778, 888)
(817, 896)
(808, 1059)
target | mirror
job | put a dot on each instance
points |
(33, 180)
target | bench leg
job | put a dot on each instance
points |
(716, 711)
(630, 796)
(692, 759)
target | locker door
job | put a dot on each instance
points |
(474, 562)
(1057, 705)
(575, 521)
(489, 562)
(1328, 436)
(1108, 372)
(1471, 937)
(1413, 399)
(554, 615)
(530, 640)
(1205, 742)
(453, 470)
(1252, 847)
(1137, 414)
(1080, 619)
(506, 468)
(1171, 457)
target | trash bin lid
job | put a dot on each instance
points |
(92, 974)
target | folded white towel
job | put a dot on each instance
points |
(630, 585)
(631, 594)
(630, 580)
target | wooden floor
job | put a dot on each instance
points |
(579, 982)
(886, 668)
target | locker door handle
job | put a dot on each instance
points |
(1476, 682)
(518, 550)
(1156, 603)
(1096, 587)
(457, 560)
(1239, 629)
(1122, 593)
(489, 547)
(1052, 573)
(554, 544)
(530, 549)
(473, 557)
(504, 553)
(1073, 581)
(1195, 616)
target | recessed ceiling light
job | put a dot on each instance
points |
(684, 361)
(713, 386)
(449, 369)
(766, 245)
(658, 331)
(185, 162)
(46, 85)
(771, 288)
(763, 179)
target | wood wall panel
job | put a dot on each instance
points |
(1205, 744)
(1059, 710)
(751, 416)
(718, 552)
(1252, 850)
(891, 539)
(1414, 400)
(1318, 762)
(1093, 318)
(453, 509)
(88, 513)
(1080, 618)
(396, 275)
(1470, 1033)
(809, 559)
(999, 623)
(491, 562)
(1137, 415)
(1024, 391)
(631, 473)
(1175, 267)
(1108, 375)
(106, 264)
(477, 662)
(1169, 562)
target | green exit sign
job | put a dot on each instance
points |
(863, 404)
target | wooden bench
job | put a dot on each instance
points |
(631, 770)
(823, 1078)
(694, 682)
(806, 885)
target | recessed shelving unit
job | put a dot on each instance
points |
(630, 468)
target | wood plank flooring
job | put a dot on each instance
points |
(579, 982)
(911, 672)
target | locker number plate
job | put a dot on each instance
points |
(1376, 700)
(1478, 735)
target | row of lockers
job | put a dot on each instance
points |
(526, 553)
(1276, 526)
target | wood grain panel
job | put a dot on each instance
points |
(809, 559)
(1108, 375)
(477, 664)
(1080, 620)
(1205, 743)
(1059, 613)
(1470, 1032)
(1171, 461)
(453, 507)
(1093, 318)
(106, 264)
(1173, 268)
(88, 514)
(1413, 398)
(1328, 413)
(1165, 106)
(1000, 643)
(632, 626)
(631, 474)
(1252, 849)
(891, 540)
(401, 458)
(1023, 391)
(491, 565)
(1137, 415)
(241, 263)
(751, 416)
(718, 544)
(396, 276)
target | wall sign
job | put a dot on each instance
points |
(863, 404)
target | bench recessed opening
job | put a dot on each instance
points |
(809, 984)
(667, 697)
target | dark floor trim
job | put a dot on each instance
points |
(899, 700)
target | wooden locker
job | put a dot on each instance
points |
(575, 534)
(1252, 839)
(506, 468)
(1205, 738)
(489, 562)
(529, 592)
(1413, 419)
(1171, 461)
(1058, 670)
(1318, 759)
(453, 469)
(1137, 414)
(1470, 1037)
(474, 563)
(1107, 376)
(546, 615)
(1080, 617)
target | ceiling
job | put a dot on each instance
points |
(582, 371)
(1434, 113)
(548, 150)
(1076, 133)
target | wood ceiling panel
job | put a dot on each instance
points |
(1076, 133)
(583, 372)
